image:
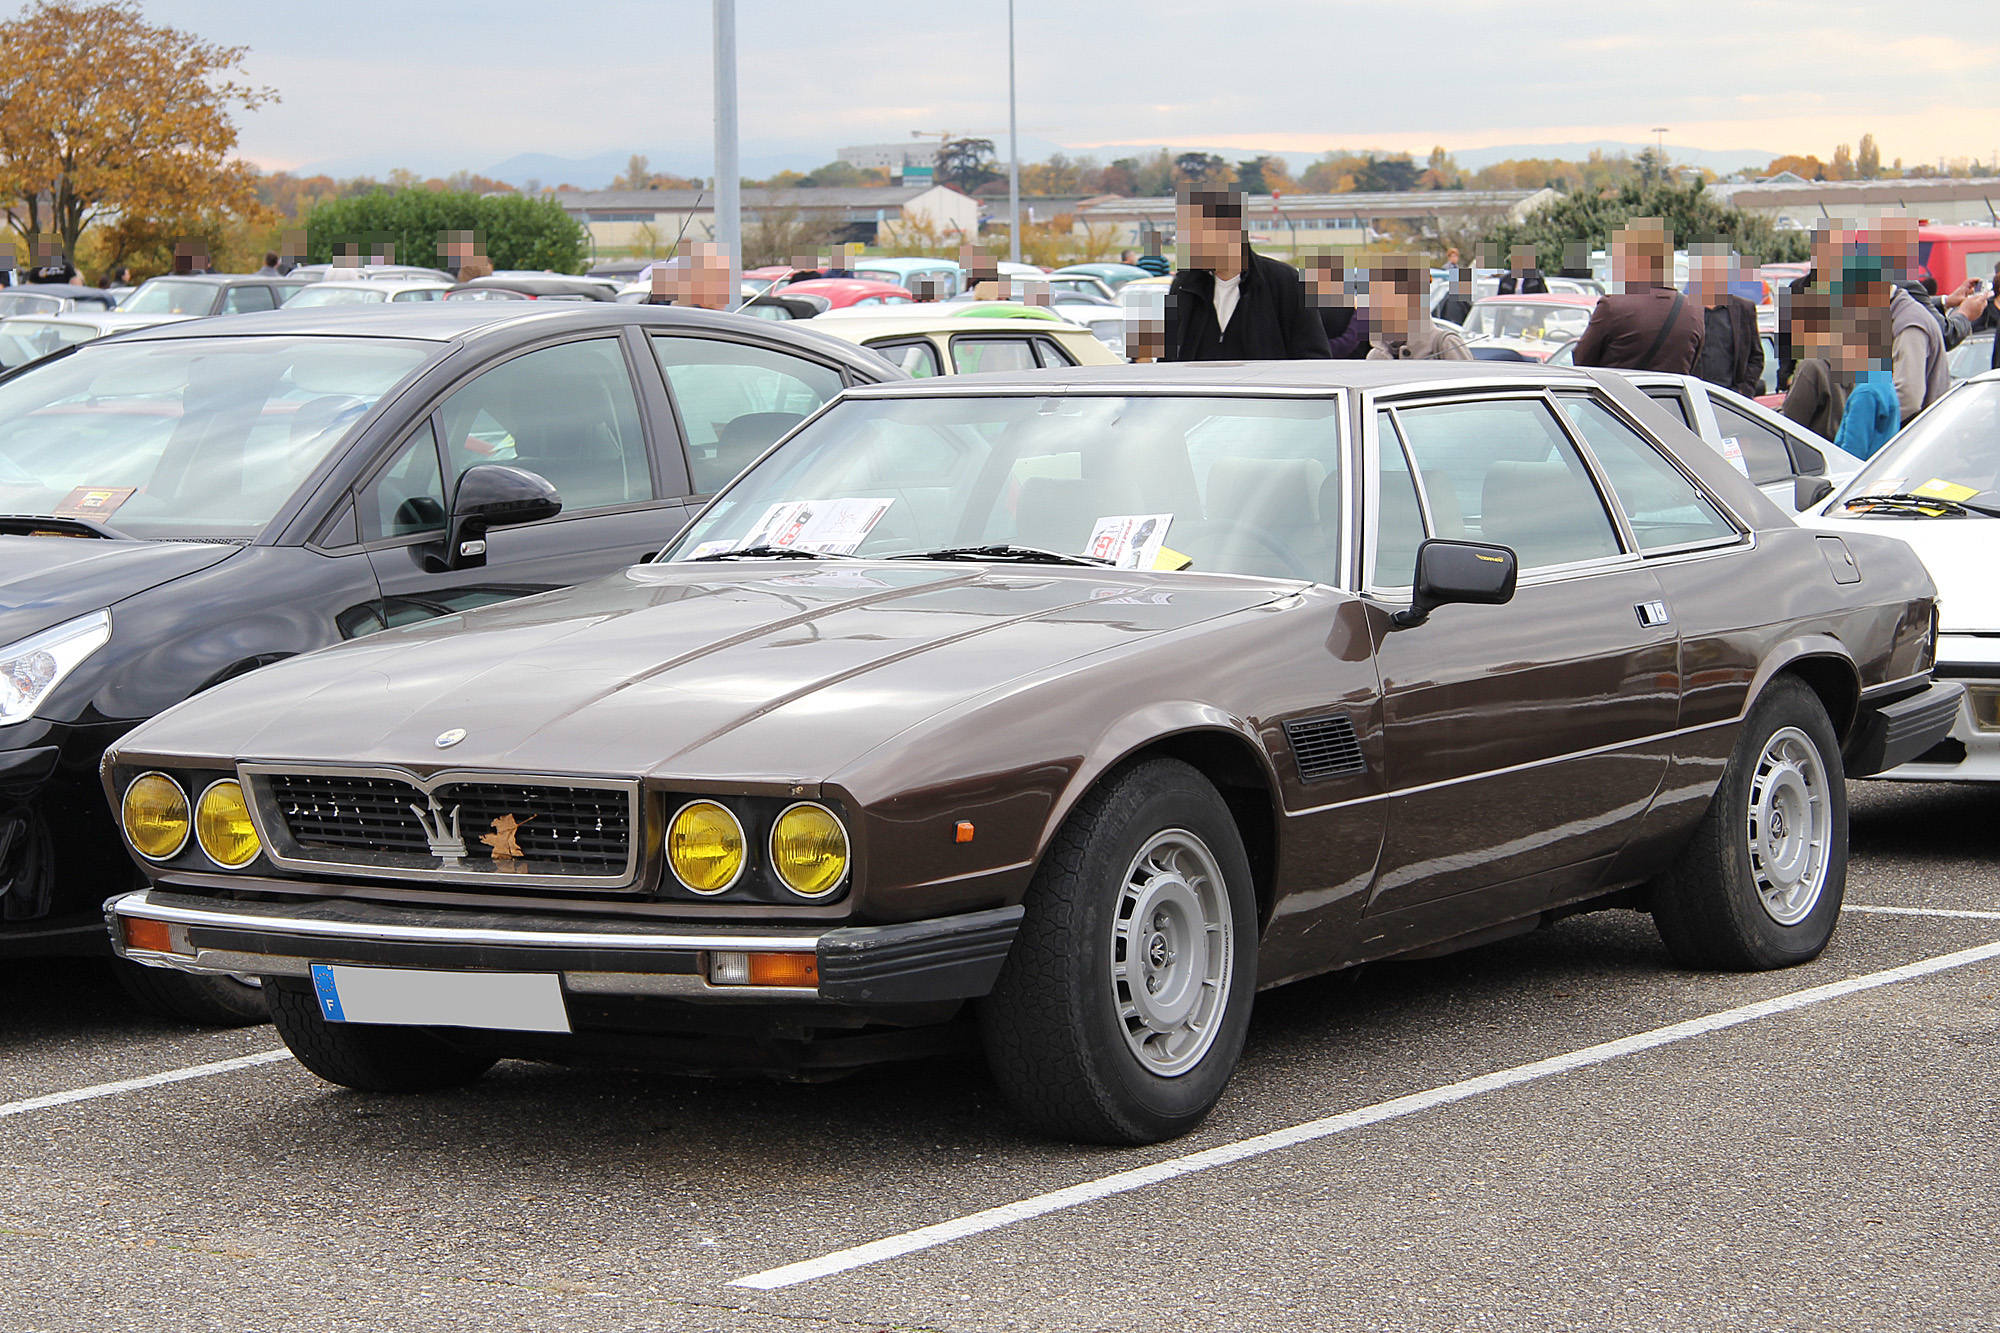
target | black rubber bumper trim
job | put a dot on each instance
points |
(950, 958)
(1896, 733)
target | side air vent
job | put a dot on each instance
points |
(1325, 747)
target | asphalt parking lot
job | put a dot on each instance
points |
(1824, 1161)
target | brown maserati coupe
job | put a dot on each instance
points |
(1068, 710)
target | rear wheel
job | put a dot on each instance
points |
(372, 1057)
(1121, 1010)
(1761, 883)
(211, 1001)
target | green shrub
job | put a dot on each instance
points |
(405, 227)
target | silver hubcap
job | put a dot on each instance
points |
(1171, 952)
(1790, 826)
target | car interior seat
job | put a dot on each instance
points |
(1546, 513)
(1275, 497)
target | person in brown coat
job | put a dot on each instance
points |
(1651, 325)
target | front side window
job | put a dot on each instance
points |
(237, 300)
(1513, 477)
(1237, 485)
(169, 296)
(205, 437)
(1399, 525)
(1663, 506)
(567, 413)
(735, 400)
(406, 499)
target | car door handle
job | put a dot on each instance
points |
(1652, 614)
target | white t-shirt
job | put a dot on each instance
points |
(1226, 290)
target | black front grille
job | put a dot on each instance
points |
(559, 830)
(1325, 747)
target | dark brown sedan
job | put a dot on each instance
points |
(1073, 709)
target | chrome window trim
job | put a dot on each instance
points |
(1722, 506)
(283, 853)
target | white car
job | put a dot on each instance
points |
(1937, 486)
(25, 338)
(367, 291)
(1793, 466)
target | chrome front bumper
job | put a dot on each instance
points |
(945, 958)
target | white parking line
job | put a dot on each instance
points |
(1968, 914)
(990, 1219)
(148, 1081)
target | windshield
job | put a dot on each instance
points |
(194, 437)
(317, 295)
(1538, 321)
(29, 303)
(1232, 485)
(25, 340)
(1952, 451)
(164, 296)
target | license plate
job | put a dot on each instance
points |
(514, 1001)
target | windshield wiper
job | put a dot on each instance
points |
(772, 553)
(1027, 555)
(1913, 500)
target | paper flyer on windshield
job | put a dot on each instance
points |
(831, 527)
(1129, 541)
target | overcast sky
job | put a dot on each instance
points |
(440, 84)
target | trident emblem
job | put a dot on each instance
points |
(447, 847)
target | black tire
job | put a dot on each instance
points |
(1052, 1029)
(371, 1057)
(1708, 907)
(210, 1001)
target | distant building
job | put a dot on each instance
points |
(1803, 202)
(889, 157)
(649, 221)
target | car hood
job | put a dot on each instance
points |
(773, 672)
(1957, 551)
(47, 580)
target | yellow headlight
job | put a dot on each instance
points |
(222, 826)
(155, 815)
(809, 850)
(705, 847)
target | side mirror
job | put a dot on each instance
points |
(493, 495)
(1470, 572)
(1809, 491)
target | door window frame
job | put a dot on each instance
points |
(673, 407)
(1730, 518)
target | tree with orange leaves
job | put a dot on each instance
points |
(103, 115)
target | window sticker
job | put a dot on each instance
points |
(1129, 541)
(831, 527)
(1945, 490)
(94, 501)
(1732, 449)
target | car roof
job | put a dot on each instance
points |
(68, 289)
(1237, 376)
(211, 279)
(1554, 298)
(378, 284)
(872, 325)
(469, 321)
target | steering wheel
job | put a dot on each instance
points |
(1264, 537)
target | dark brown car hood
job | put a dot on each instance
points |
(780, 670)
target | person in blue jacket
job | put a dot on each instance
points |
(1861, 330)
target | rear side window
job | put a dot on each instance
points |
(1513, 477)
(239, 299)
(1764, 452)
(735, 400)
(1052, 353)
(1663, 506)
(916, 358)
(1675, 404)
(972, 355)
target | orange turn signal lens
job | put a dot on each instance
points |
(784, 969)
(151, 936)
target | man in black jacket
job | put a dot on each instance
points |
(1231, 303)
(1732, 351)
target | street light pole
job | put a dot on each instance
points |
(1013, 152)
(728, 178)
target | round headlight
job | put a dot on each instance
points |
(809, 850)
(155, 815)
(222, 826)
(705, 847)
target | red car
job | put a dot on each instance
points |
(1951, 254)
(845, 292)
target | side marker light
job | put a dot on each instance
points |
(964, 830)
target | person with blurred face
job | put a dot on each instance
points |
(1399, 320)
(700, 279)
(1650, 325)
(1829, 247)
(1732, 353)
(1918, 346)
(1522, 277)
(1326, 291)
(1230, 303)
(1861, 342)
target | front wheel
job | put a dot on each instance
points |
(209, 1001)
(374, 1057)
(1761, 883)
(1121, 1011)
